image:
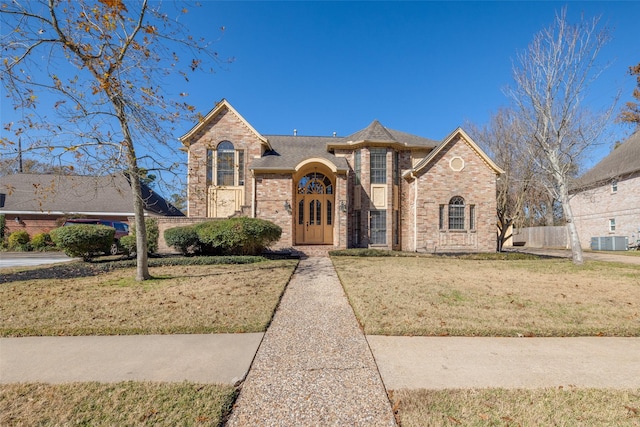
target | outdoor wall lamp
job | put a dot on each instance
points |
(343, 206)
(17, 219)
(287, 206)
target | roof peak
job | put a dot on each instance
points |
(374, 132)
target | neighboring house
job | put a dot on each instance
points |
(606, 199)
(376, 188)
(38, 203)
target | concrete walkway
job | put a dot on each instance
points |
(314, 366)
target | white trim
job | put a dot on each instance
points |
(325, 162)
(212, 114)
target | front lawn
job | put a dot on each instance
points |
(183, 299)
(438, 296)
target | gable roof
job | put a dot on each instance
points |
(88, 195)
(219, 108)
(459, 132)
(621, 162)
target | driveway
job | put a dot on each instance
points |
(612, 256)
(26, 259)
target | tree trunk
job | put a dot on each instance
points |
(142, 265)
(574, 239)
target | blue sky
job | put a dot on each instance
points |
(419, 67)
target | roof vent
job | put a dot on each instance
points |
(295, 132)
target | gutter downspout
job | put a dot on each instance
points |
(253, 195)
(415, 213)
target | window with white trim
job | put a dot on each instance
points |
(612, 224)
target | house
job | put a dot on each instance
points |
(38, 203)
(606, 199)
(376, 188)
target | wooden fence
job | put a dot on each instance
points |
(541, 237)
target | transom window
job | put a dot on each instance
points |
(225, 165)
(456, 213)
(315, 183)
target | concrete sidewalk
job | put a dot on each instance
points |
(479, 362)
(215, 358)
(403, 362)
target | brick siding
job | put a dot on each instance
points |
(593, 208)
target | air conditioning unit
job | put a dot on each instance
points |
(610, 243)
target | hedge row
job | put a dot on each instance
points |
(234, 236)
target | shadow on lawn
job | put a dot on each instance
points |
(62, 271)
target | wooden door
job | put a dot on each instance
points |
(314, 204)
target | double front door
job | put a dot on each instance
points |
(314, 210)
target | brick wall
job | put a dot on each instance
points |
(592, 210)
(225, 127)
(272, 191)
(437, 184)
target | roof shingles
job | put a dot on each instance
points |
(77, 194)
(621, 162)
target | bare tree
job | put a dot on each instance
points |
(631, 111)
(517, 191)
(551, 78)
(105, 63)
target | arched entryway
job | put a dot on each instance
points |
(314, 209)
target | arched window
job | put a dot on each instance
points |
(456, 213)
(226, 165)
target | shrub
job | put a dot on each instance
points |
(41, 241)
(184, 239)
(19, 241)
(128, 243)
(83, 240)
(3, 225)
(238, 236)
